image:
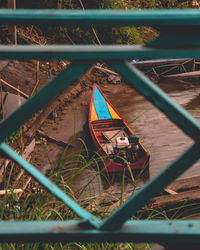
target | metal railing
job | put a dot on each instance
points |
(179, 38)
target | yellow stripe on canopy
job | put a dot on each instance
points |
(94, 116)
(112, 112)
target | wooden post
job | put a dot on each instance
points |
(59, 4)
(2, 108)
(194, 65)
(37, 71)
(13, 30)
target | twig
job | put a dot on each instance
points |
(179, 80)
(37, 70)
(16, 89)
(28, 150)
(93, 30)
(69, 38)
(3, 169)
(26, 155)
(176, 66)
(31, 39)
(35, 87)
(51, 139)
(15, 191)
(194, 65)
(107, 71)
(170, 191)
(2, 104)
(158, 77)
(25, 186)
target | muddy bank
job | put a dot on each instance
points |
(67, 120)
(160, 136)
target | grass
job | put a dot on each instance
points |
(37, 204)
(40, 205)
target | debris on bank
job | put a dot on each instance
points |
(179, 192)
(185, 191)
(19, 79)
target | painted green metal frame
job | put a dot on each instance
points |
(117, 227)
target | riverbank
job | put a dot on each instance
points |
(51, 132)
(59, 123)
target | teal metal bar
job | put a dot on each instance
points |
(152, 188)
(44, 96)
(171, 17)
(164, 232)
(50, 186)
(156, 96)
(92, 52)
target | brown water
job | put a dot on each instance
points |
(158, 134)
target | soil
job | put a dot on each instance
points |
(59, 124)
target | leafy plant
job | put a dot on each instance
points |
(14, 136)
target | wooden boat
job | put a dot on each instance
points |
(114, 139)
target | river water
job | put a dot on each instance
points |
(157, 133)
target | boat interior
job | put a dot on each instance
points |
(113, 135)
(107, 130)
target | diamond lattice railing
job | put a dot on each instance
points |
(181, 40)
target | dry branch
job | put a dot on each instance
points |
(52, 139)
(12, 87)
(35, 88)
(26, 154)
(3, 169)
(93, 30)
(25, 186)
(170, 191)
(107, 71)
(15, 191)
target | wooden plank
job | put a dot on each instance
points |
(165, 201)
(180, 191)
(107, 71)
(111, 135)
(170, 191)
(156, 62)
(193, 74)
(185, 184)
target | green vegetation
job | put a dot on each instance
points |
(37, 204)
(105, 35)
(40, 205)
(14, 136)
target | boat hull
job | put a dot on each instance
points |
(107, 128)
